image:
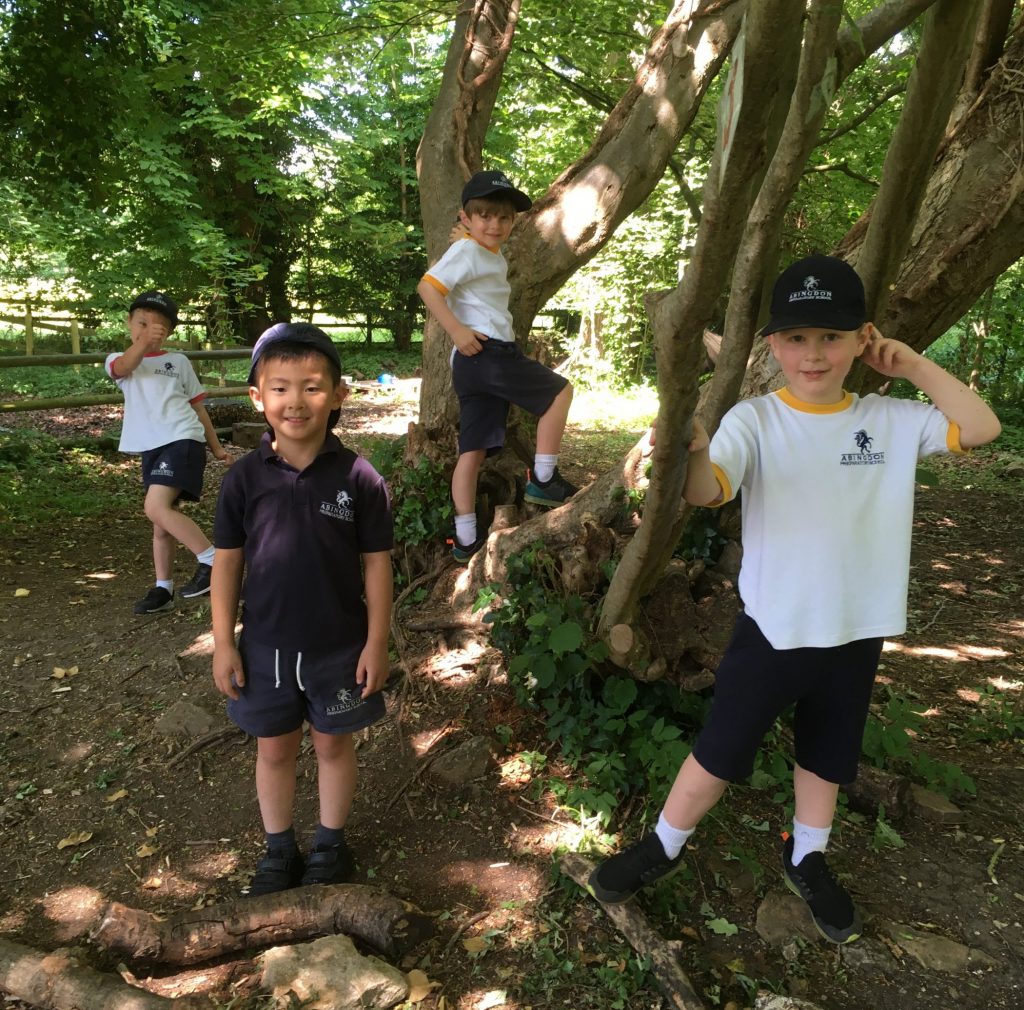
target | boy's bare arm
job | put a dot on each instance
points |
(701, 486)
(124, 365)
(225, 591)
(373, 667)
(467, 340)
(977, 423)
(218, 450)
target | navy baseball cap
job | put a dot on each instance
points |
(157, 301)
(817, 291)
(294, 333)
(485, 184)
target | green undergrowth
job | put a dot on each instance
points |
(420, 498)
(42, 483)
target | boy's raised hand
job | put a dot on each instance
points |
(373, 667)
(889, 357)
(228, 674)
(700, 439)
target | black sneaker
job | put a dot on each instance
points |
(833, 910)
(463, 552)
(548, 493)
(278, 870)
(620, 876)
(329, 864)
(199, 584)
(154, 601)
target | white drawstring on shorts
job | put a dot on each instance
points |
(298, 670)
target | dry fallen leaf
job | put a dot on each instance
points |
(420, 987)
(152, 883)
(151, 832)
(475, 944)
(75, 838)
(119, 795)
(22, 592)
(145, 850)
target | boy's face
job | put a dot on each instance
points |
(147, 326)
(297, 396)
(490, 226)
(816, 360)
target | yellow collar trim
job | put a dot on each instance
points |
(814, 408)
(496, 249)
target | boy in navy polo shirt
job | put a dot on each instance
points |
(309, 523)
(165, 420)
(468, 293)
(828, 496)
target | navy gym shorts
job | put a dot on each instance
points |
(755, 683)
(486, 383)
(178, 464)
(284, 689)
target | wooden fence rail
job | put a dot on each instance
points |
(30, 360)
(96, 400)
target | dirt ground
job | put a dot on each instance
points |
(97, 797)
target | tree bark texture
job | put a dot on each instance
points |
(449, 153)
(388, 924)
(680, 317)
(58, 982)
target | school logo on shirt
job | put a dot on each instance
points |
(347, 700)
(863, 456)
(167, 370)
(341, 508)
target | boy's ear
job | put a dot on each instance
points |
(463, 217)
(864, 338)
(340, 393)
(257, 400)
(771, 338)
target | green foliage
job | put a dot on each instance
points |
(420, 499)
(889, 741)
(999, 716)
(886, 836)
(41, 481)
(620, 735)
(700, 539)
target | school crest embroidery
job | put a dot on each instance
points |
(863, 456)
(343, 507)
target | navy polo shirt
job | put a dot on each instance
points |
(302, 534)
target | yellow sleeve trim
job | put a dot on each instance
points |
(953, 439)
(435, 283)
(723, 483)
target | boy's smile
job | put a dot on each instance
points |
(816, 360)
(297, 397)
(489, 227)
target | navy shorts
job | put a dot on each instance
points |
(284, 689)
(756, 683)
(486, 383)
(178, 464)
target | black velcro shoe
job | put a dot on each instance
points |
(154, 601)
(278, 870)
(620, 876)
(329, 864)
(199, 584)
(832, 909)
(548, 493)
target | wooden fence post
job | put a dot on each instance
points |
(29, 334)
(76, 342)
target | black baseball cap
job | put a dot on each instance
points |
(294, 333)
(817, 291)
(157, 301)
(485, 184)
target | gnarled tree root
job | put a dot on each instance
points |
(386, 923)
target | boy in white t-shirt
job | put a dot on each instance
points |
(468, 292)
(165, 421)
(828, 488)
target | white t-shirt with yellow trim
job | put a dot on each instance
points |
(474, 281)
(827, 505)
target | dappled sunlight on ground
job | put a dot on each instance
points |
(73, 910)
(954, 653)
(387, 411)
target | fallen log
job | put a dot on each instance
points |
(386, 923)
(58, 982)
(665, 955)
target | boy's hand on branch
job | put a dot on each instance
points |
(700, 439)
(889, 357)
(468, 341)
(228, 674)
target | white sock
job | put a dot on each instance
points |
(672, 839)
(465, 529)
(206, 557)
(544, 467)
(167, 584)
(807, 839)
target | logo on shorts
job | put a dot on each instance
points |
(164, 469)
(864, 456)
(347, 700)
(341, 508)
